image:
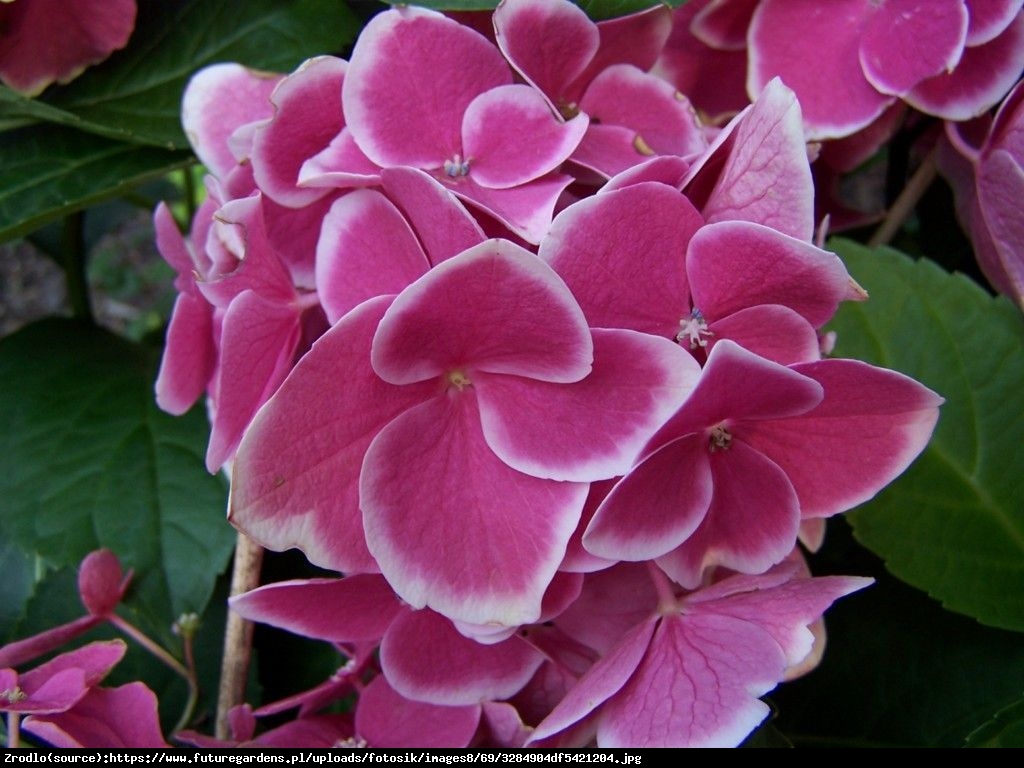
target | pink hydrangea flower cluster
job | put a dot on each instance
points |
(498, 330)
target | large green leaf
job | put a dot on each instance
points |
(49, 171)
(953, 525)
(898, 671)
(136, 94)
(90, 461)
(1005, 729)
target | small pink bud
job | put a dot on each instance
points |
(101, 582)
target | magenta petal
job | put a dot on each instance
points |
(411, 77)
(353, 609)
(697, 686)
(577, 558)
(95, 660)
(988, 18)
(525, 210)
(54, 40)
(771, 331)
(736, 264)
(286, 494)
(21, 651)
(316, 731)
(366, 249)
(657, 506)
(603, 680)
(723, 24)
(444, 226)
(905, 42)
(454, 528)
(258, 341)
(640, 256)
(871, 425)
(1000, 183)
(662, 120)
(218, 100)
(307, 116)
(664, 169)
(549, 43)
(426, 659)
(984, 75)
(750, 525)
(119, 718)
(384, 719)
(494, 308)
(340, 164)
(592, 429)
(765, 177)
(817, 58)
(510, 137)
(634, 39)
(189, 355)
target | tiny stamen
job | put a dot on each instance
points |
(695, 328)
(459, 380)
(13, 695)
(456, 166)
(720, 439)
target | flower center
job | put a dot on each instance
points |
(720, 439)
(455, 167)
(13, 695)
(694, 327)
(458, 379)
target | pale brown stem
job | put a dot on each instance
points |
(234, 670)
(906, 202)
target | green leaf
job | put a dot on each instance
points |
(953, 524)
(47, 172)
(136, 93)
(89, 461)
(596, 9)
(1005, 729)
(16, 586)
(898, 670)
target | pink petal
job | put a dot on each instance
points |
(634, 39)
(722, 24)
(510, 137)
(817, 58)
(577, 558)
(662, 119)
(549, 44)
(639, 256)
(173, 248)
(189, 355)
(751, 523)
(988, 18)
(101, 582)
(454, 528)
(411, 77)
(593, 429)
(602, 681)
(506, 728)
(738, 386)
(258, 342)
(119, 718)
(55, 40)
(771, 331)
(218, 100)
(733, 265)
(664, 169)
(307, 116)
(58, 692)
(384, 719)
(353, 609)
(95, 660)
(657, 506)
(871, 425)
(295, 476)
(293, 233)
(340, 164)
(697, 686)
(982, 78)
(612, 603)
(1000, 183)
(366, 249)
(442, 224)
(316, 731)
(525, 210)
(764, 177)
(714, 80)
(905, 42)
(425, 659)
(494, 308)
(21, 651)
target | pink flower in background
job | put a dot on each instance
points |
(48, 41)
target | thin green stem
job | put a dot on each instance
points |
(193, 686)
(73, 259)
(904, 205)
(189, 185)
